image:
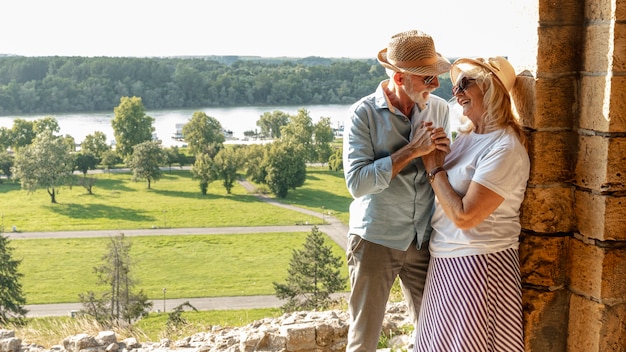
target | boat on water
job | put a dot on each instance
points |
(178, 134)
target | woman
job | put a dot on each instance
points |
(472, 300)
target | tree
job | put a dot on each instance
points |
(85, 161)
(120, 303)
(96, 144)
(314, 275)
(253, 157)
(47, 163)
(271, 123)
(173, 155)
(145, 161)
(22, 133)
(299, 131)
(110, 159)
(335, 161)
(226, 164)
(6, 164)
(203, 134)
(12, 300)
(323, 136)
(131, 125)
(48, 123)
(204, 170)
(285, 168)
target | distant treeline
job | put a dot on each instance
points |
(45, 85)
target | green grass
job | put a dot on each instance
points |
(57, 270)
(118, 203)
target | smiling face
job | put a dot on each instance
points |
(418, 88)
(470, 97)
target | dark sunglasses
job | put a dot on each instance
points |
(462, 86)
(429, 79)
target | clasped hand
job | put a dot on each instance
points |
(431, 143)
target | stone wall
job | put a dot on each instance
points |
(296, 332)
(573, 102)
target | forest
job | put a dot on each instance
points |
(50, 85)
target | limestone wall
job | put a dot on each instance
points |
(573, 102)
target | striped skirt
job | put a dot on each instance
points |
(472, 303)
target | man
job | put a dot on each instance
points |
(384, 139)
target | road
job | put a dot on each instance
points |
(331, 226)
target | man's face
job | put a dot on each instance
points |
(418, 88)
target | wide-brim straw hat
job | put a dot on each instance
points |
(413, 52)
(499, 66)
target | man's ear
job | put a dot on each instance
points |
(398, 78)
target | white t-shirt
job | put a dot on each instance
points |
(498, 161)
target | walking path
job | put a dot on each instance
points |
(331, 226)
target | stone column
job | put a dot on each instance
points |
(573, 251)
(597, 256)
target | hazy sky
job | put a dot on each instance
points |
(327, 28)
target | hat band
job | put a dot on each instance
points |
(416, 63)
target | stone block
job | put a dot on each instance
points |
(596, 327)
(601, 163)
(598, 10)
(548, 210)
(545, 320)
(584, 325)
(619, 49)
(564, 43)
(553, 104)
(552, 156)
(542, 260)
(599, 216)
(617, 103)
(593, 115)
(598, 272)
(524, 97)
(567, 11)
(598, 43)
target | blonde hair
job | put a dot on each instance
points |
(500, 111)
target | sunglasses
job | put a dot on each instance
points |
(462, 86)
(429, 79)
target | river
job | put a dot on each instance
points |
(235, 119)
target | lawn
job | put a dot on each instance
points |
(174, 201)
(57, 270)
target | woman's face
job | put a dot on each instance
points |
(470, 98)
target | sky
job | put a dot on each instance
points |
(270, 28)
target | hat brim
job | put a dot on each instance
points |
(455, 71)
(442, 65)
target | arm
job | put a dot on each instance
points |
(470, 210)
(425, 140)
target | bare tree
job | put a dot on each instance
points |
(120, 303)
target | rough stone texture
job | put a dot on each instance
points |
(601, 217)
(552, 155)
(596, 327)
(553, 103)
(548, 210)
(540, 260)
(601, 163)
(598, 272)
(545, 316)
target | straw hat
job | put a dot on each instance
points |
(499, 66)
(413, 52)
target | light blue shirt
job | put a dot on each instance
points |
(386, 211)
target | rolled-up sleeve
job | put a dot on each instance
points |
(365, 171)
